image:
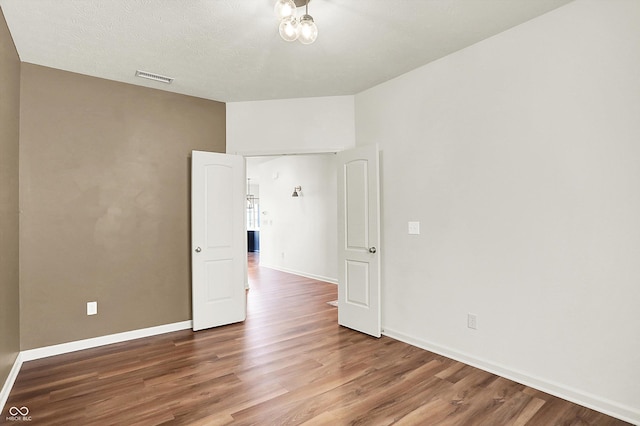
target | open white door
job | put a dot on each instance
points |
(359, 240)
(218, 239)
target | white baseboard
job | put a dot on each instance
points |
(8, 384)
(611, 408)
(595, 402)
(63, 348)
(93, 342)
(302, 274)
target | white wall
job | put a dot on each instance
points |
(304, 229)
(291, 126)
(299, 235)
(520, 156)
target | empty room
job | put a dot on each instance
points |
(446, 229)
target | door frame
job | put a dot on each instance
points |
(312, 152)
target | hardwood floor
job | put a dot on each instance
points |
(289, 363)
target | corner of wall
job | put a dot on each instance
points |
(9, 205)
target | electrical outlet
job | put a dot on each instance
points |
(92, 308)
(414, 228)
(472, 321)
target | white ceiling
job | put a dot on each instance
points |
(230, 50)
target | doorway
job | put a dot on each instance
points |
(349, 205)
(297, 234)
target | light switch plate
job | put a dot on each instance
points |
(414, 228)
(92, 308)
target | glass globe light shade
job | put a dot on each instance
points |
(285, 9)
(308, 32)
(289, 29)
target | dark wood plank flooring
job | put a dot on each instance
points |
(289, 363)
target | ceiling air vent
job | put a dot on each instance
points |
(152, 76)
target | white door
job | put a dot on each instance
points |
(358, 240)
(218, 239)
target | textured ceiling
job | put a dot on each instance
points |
(230, 50)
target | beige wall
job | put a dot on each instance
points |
(104, 193)
(9, 135)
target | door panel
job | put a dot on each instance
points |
(357, 283)
(217, 230)
(218, 235)
(356, 206)
(219, 280)
(358, 240)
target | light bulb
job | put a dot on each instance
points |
(285, 9)
(289, 29)
(308, 31)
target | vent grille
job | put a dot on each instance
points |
(152, 76)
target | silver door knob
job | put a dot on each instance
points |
(372, 250)
(198, 249)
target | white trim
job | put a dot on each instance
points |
(63, 348)
(287, 152)
(11, 379)
(595, 402)
(302, 274)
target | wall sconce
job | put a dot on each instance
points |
(296, 191)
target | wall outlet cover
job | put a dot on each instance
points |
(472, 321)
(92, 308)
(414, 228)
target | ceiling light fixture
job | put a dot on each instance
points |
(291, 29)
